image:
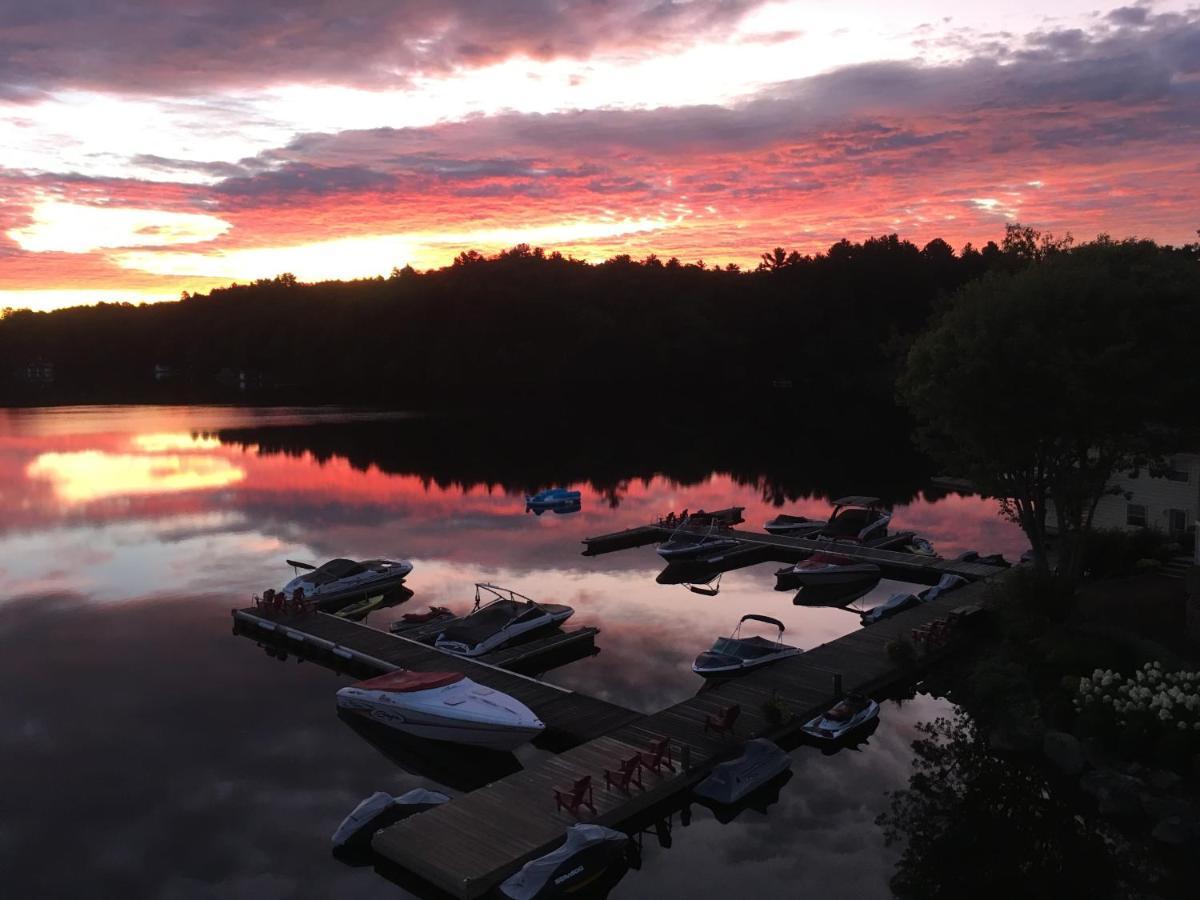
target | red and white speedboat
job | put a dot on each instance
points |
(826, 570)
(443, 706)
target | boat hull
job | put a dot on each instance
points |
(431, 724)
(819, 728)
(841, 576)
(501, 638)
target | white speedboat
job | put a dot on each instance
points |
(729, 782)
(826, 569)
(443, 706)
(697, 537)
(381, 810)
(853, 710)
(341, 582)
(735, 654)
(497, 623)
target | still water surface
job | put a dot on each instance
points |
(149, 753)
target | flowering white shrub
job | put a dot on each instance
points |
(1171, 698)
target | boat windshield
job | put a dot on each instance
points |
(744, 648)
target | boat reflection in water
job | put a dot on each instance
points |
(452, 766)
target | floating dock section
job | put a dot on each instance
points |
(571, 718)
(468, 846)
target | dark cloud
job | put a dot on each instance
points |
(195, 45)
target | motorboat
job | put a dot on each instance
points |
(901, 542)
(851, 712)
(339, 582)
(857, 518)
(838, 596)
(379, 811)
(730, 781)
(894, 604)
(587, 854)
(495, 624)
(697, 537)
(824, 569)
(794, 526)
(443, 706)
(735, 654)
(555, 499)
(990, 559)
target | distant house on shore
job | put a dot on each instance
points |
(37, 372)
(1167, 500)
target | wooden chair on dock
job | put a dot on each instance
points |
(659, 756)
(722, 722)
(629, 772)
(577, 795)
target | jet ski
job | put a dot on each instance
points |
(379, 811)
(443, 706)
(894, 604)
(588, 853)
(341, 582)
(495, 624)
(854, 710)
(794, 526)
(735, 654)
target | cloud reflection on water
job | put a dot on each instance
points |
(176, 761)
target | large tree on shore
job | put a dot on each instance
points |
(1040, 384)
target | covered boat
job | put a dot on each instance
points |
(945, 584)
(729, 782)
(826, 569)
(443, 706)
(495, 624)
(588, 853)
(894, 604)
(853, 710)
(556, 499)
(794, 526)
(697, 537)
(735, 654)
(341, 582)
(379, 811)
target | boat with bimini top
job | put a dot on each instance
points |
(495, 624)
(735, 654)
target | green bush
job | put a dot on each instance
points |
(1114, 552)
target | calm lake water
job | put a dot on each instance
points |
(148, 752)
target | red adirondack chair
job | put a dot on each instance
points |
(722, 722)
(659, 756)
(627, 773)
(577, 795)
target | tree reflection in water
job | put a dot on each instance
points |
(975, 824)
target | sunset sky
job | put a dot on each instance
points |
(150, 148)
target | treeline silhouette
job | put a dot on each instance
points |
(520, 327)
(785, 457)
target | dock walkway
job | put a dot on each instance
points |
(571, 718)
(911, 567)
(469, 845)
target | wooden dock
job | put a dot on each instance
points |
(571, 718)
(910, 567)
(467, 846)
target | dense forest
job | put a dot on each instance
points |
(521, 327)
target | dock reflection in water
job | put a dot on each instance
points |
(175, 761)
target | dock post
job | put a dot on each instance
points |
(685, 757)
(837, 684)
